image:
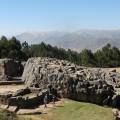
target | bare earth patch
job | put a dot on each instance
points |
(10, 88)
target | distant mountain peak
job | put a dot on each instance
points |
(91, 39)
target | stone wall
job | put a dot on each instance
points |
(69, 80)
(10, 68)
(23, 99)
(64, 79)
(27, 102)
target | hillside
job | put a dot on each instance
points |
(91, 39)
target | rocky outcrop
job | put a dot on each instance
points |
(10, 68)
(66, 79)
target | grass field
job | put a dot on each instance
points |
(72, 110)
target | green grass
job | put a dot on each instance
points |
(72, 110)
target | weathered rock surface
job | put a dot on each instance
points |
(10, 68)
(93, 85)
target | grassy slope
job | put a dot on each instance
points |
(73, 110)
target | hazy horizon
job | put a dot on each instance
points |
(63, 15)
(50, 31)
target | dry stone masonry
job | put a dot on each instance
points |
(66, 79)
(62, 79)
(10, 68)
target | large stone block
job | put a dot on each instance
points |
(10, 68)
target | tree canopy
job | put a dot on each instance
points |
(11, 48)
(108, 56)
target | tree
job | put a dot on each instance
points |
(14, 44)
(3, 47)
(11, 48)
(99, 58)
(87, 58)
(26, 50)
(12, 54)
(108, 56)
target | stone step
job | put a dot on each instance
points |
(3, 106)
(14, 78)
(18, 82)
(12, 108)
(28, 111)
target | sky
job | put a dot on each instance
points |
(17, 16)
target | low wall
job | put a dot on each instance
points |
(11, 82)
(21, 102)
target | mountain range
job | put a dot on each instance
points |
(90, 39)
